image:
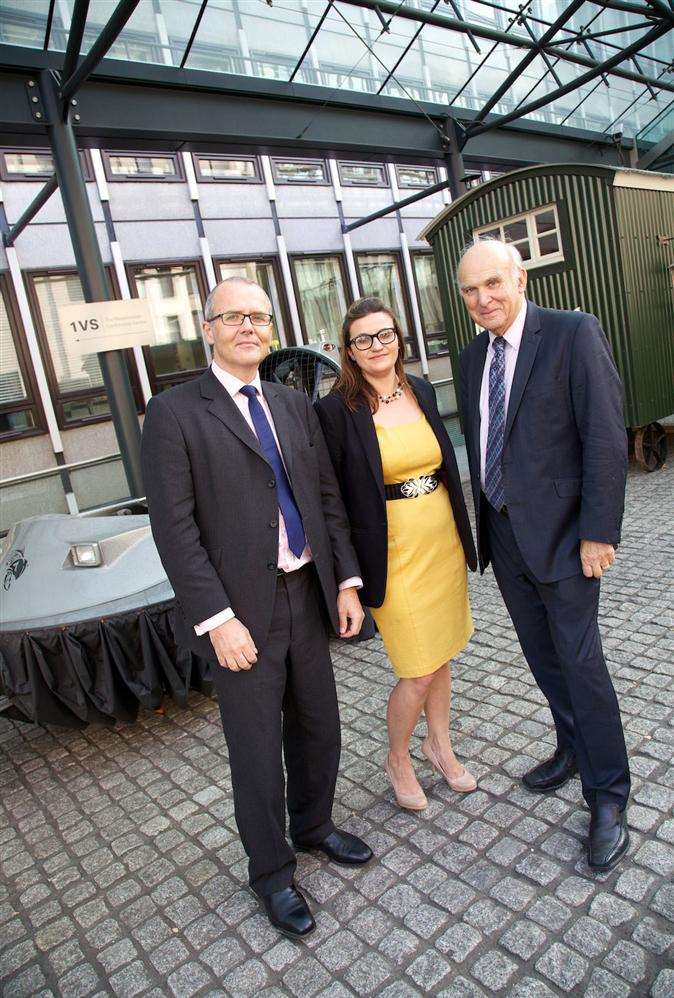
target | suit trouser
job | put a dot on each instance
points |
(286, 701)
(557, 627)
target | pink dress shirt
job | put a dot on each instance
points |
(513, 338)
(287, 561)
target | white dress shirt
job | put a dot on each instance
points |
(513, 338)
(287, 561)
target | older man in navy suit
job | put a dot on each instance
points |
(542, 407)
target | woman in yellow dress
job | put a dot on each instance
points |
(400, 483)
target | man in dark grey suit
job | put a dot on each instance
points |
(251, 530)
(542, 408)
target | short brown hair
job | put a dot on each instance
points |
(351, 384)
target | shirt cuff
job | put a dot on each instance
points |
(219, 618)
(355, 581)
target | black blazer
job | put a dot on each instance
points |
(565, 445)
(214, 509)
(352, 442)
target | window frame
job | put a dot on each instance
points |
(536, 262)
(411, 339)
(298, 297)
(9, 176)
(361, 183)
(255, 160)
(325, 182)
(442, 353)
(142, 178)
(415, 166)
(159, 382)
(33, 402)
(57, 396)
(278, 277)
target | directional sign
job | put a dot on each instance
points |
(94, 327)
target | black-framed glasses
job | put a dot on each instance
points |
(238, 318)
(364, 341)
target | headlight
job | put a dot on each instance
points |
(86, 555)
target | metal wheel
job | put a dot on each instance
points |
(650, 446)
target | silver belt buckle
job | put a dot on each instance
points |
(420, 486)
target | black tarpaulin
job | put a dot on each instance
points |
(99, 670)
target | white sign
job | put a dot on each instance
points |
(94, 327)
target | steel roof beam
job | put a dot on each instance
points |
(517, 41)
(529, 58)
(99, 49)
(75, 36)
(311, 41)
(663, 146)
(656, 32)
(38, 202)
(193, 35)
(406, 50)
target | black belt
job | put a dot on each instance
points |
(413, 487)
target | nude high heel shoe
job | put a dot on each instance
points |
(463, 784)
(413, 802)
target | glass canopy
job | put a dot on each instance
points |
(423, 51)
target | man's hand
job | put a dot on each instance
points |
(350, 612)
(233, 645)
(595, 558)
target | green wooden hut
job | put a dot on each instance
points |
(595, 238)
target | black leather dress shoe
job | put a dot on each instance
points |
(340, 847)
(609, 837)
(289, 912)
(551, 774)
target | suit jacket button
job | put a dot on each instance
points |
(271, 565)
(272, 483)
(273, 523)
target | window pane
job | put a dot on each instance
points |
(85, 408)
(514, 231)
(12, 387)
(227, 169)
(362, 173)
(548, 244)
(322, 298)
(525, 249)
(263, 273)
(154, 166)
(17, 422)
(490, 233)
(380, 277)
(174, 294)
(545, 220)
(28, 164)
(297, 172)
(72, 373)
(416, 176)
(430, 305)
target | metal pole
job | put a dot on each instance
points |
(31, 211)
(419, 196)
(454, 160)
(98, 50)
(92, 274)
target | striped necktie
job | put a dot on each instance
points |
(493, 474)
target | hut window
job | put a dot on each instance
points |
(535, 234)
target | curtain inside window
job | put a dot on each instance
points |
(322, 298)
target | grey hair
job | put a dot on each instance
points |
(516, 261)
(208, 306)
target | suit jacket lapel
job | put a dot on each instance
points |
(221, 405)
(525, 361)
(282, 423)
(362, 418)
(474, 392)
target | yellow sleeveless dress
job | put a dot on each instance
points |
(425, 618)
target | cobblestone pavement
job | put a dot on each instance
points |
(122, 873)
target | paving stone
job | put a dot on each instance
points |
(223, 954)
(562, 966)
(192, 977)
(627, 960)
(550, 913)
(658, 857)
(516, 894)
(648, 935)
(494, 970)
(588, 936)
(131, 980)
(663, 986)
(663, 902)
(458, 941)
(339, 950)
(168, 956)
(523, 939)
(428, 970)
(611, 910)
(306, 978)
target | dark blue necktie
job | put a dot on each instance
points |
(493, 472)
(286, 500)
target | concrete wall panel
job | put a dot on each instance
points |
(153, 241)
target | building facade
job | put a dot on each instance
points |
(170, 226)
